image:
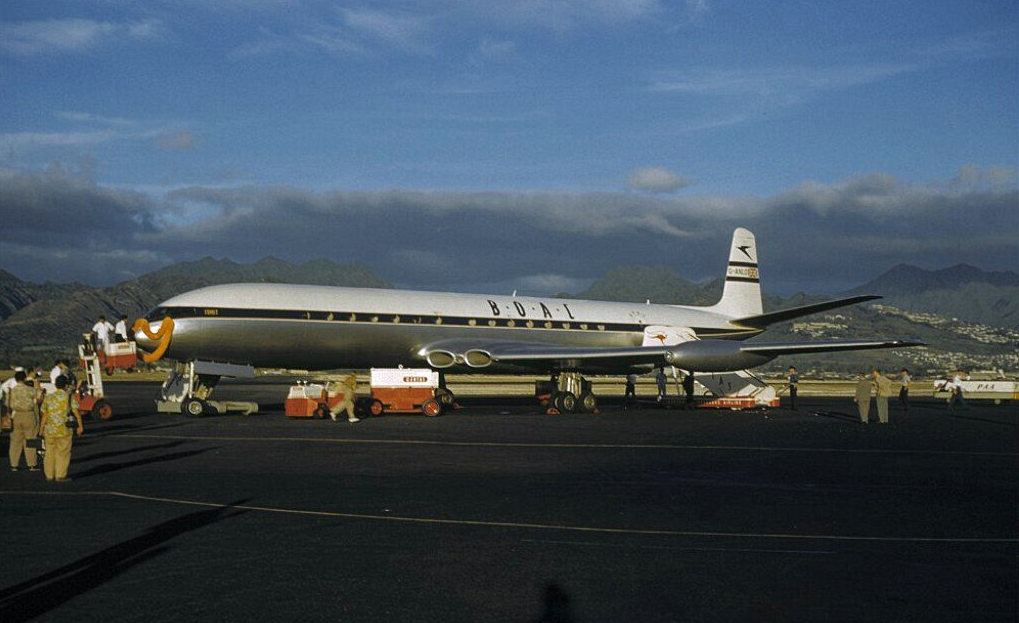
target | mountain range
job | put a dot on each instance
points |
(50, 318)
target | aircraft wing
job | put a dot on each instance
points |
(829, 346)
(480, 353)
(763, 320)
(699, 355)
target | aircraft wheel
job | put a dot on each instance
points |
(194, 407)
(566, 402)
(588, 403)
(431, 407)
(321, 411)
(102, 410)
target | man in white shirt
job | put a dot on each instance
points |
(121, 329)
(58, 370)
(102, 330)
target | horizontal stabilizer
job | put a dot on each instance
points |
(761, 321)
(775, 349)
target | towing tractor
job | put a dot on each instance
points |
(408, 390)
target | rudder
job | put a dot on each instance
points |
(741, 295)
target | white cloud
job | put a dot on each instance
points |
(493, 50)
(656, 180)
(527, 240)
(400, 30)
(177, 141)
(70, 35)
(696, 9)
(791, 83)
(85, 117)
(975, 176)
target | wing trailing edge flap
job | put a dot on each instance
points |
(793, 348)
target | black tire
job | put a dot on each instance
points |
(321, 411)
(587, 403)
(446, 397)
(102, 411)
(376, 408)
(431, 407)
(194, 407)
(566, 402)
(551, 402)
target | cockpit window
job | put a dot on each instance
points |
(157, 313)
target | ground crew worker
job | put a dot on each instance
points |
(883, 389)
(661, 380)
(864, 388)
(22, 400)
(688, 390)
(120, 330)
(102, 330)
(347, 404)
(630, 395)
(956, 388)
(904, 391)
(5, 387)
(54, 430)
(794, 382)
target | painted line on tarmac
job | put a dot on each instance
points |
(808, 552)
(596, 446)
(513, 524)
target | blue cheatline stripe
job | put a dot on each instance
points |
(360, 317)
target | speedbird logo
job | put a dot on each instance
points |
(744, 250)
(660, 337)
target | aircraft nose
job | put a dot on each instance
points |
(144, 342)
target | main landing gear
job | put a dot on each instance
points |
(569, 392)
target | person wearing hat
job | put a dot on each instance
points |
(5, 413)
(23, 402)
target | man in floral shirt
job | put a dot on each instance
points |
(53, 428)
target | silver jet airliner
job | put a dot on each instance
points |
(322, 327)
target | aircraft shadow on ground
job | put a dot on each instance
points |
(843, 417)
(555, 606)
(115, 429)
(973, 418)
(113, 467)
(39, 595)
(108, 455)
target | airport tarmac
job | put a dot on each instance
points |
(636, 515)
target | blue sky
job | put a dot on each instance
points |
(673, 120)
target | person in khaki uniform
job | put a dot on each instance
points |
(22, 402)
(53, 428)
(864, 388)
(883, 389)
(347, 404)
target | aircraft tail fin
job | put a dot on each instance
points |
(741, 295)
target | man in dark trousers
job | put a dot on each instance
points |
(688, 390)
(631, 390)
(906, 381)
(794, 381)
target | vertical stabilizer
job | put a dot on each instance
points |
(741, 295)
